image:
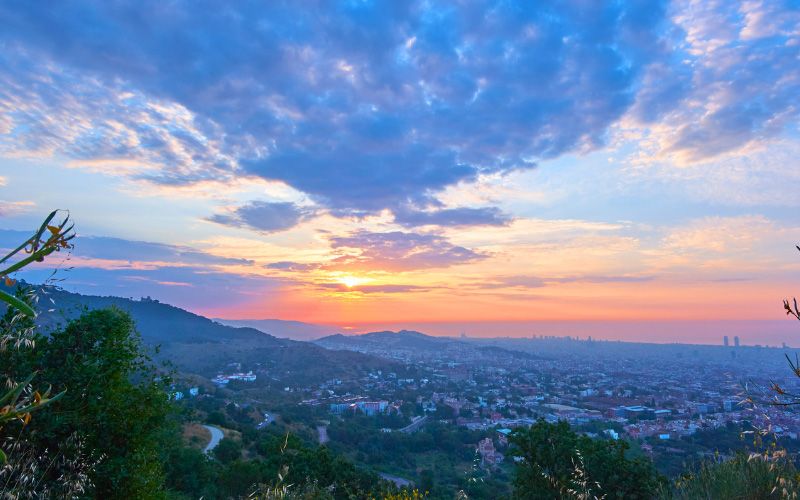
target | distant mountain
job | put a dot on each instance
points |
(199, 345)
(411, 345)
(295, 330)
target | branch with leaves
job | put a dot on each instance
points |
(20, 400)
(48, 239)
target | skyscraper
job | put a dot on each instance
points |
(736, 341)
(725, 341)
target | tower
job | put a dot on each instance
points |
(736, 341)
(725, 341)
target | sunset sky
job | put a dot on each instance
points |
(415, 163)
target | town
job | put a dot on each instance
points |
(658, 397)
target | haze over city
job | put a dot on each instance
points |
(623, 172)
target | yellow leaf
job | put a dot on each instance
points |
(10, 282)
(26, 419)
(37, 397)
(54, 229)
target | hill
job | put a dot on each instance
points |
(409, 345)
(195, 344)
(295, 330)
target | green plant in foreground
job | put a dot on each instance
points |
(19, 400)
(48, 239)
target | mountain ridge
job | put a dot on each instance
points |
(196, 344)
(289, 329)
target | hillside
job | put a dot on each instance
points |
(411, 345)
(295, 330)
(195, 344)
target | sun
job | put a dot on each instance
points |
(350, 281)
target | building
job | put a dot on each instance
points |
(638, 411)
(662, 414)
(243, 377)
(339, 408)
(370, 408)
(725, 341)
(489, 456)
(730, 405)
(736, 341)
(502, 436)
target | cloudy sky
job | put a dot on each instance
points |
(398, 163)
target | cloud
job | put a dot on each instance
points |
(398, 251)
(106, 126)
(179, 275)
(264, 216)
(528, 282)
(292, 266)
(453, 217)
(127, 252)
(11, 208)
(733, 78)
(192, 287)
(363, 106)
(365, 289)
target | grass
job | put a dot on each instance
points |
(196, 436)
(742, 477)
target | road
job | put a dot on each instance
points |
(397, 480)
(415, 425)
(216, 437)
(268, 419)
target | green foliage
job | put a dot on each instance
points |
(20, 400)
(556, 462)
(117, 402)
(190, 471)
(228, 450)
(48, 239)
(742, 477)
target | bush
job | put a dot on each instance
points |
(754, 476)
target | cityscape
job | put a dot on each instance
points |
(400, 250)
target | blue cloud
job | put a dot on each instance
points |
(190, 287)
(176, 274)
(398, 251)
(264, 216)
(286, 265)
(452, 217)
(364, 106)
(379, 105)
(104, 247)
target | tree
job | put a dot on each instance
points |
(556, 463)
(118, 403)
(228, 450)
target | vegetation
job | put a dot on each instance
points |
(111, 430)
(555, 462)
(115, 434)
(19, 399)
(744, 476)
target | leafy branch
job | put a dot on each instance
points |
(48, 239)
(20, 400)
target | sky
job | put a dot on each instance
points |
(480, 166)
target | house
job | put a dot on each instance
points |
(487, 452)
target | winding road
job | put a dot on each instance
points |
(216, 437)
